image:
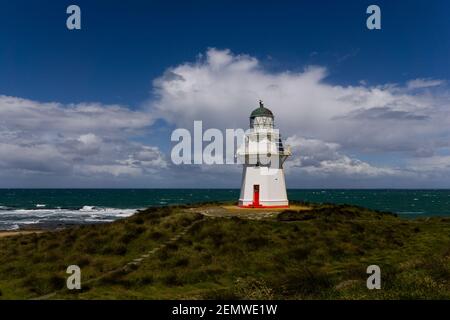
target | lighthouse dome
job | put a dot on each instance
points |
(261, 112)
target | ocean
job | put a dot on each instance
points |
(29, 208)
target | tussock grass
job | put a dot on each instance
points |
(35, 264)
(322, 253)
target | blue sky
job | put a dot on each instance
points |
(125, 46)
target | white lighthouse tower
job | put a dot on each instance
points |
(262, 154)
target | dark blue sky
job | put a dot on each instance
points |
(124, 45)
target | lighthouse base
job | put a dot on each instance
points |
(251, 205)
(262, 188)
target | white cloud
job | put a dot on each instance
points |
(390, 121)
(90, 140)
(434, 166)
(115, 170)
(29, 157)
(24, 114)
(321, 158)
(222, 89)
(424, 83)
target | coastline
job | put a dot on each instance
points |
(209, 209)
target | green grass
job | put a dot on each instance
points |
(317, 254)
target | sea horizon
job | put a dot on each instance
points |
(237, 188)
(59, 207)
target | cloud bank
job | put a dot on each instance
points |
(392, 123)
(84, 140)
(380, 134)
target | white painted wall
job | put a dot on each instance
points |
(272, 186)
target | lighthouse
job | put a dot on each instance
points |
(262, 154)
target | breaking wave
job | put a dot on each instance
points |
(11, 219)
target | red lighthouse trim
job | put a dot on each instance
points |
(262, 207)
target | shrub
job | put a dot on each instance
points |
(155, 235)
(216, 237)
(114, 277)
(256, 242)
(88, 246)
(163, 255)
(84, 261)
(437, 267)
(172, 246)
(171, 279)
(138, 220)
(253, 289)
(182, 262)
(53, 256)
(144, 280)
(304, 282)
(299, 253)
(291, 215)
(44, 284)
(220, 294)
(52, 245)
(116, 249)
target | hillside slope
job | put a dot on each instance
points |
(179, 253)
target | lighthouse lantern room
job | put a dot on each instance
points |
(263, 154)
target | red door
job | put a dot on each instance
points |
(256, 195)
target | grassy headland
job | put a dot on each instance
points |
(316, 253)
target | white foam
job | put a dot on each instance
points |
(97, 220)
(17, 217)
(87, 208)
(9, 227)
(410, 212)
